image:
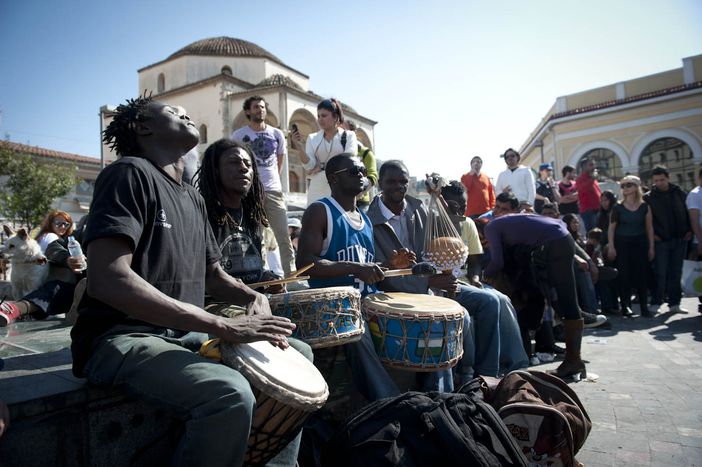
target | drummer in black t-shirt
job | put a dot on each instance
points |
(152, 253)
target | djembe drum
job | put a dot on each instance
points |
(288, 388)
(324, 317)
(415, 331)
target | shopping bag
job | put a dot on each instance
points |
(692, 278)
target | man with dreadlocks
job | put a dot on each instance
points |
(152, 253)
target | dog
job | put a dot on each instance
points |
(28, 265)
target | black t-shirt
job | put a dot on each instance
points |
(545, 189)
(567, 189)
(241, 248)
(172, 242)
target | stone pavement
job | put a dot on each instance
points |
(646, 406)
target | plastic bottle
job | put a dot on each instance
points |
(76, 251)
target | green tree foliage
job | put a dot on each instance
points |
(29, 188)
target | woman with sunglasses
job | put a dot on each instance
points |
(631, 244)
(56, 294)
(321, 146)
(57, 224)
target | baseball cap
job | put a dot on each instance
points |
(545, 167)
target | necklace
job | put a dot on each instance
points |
(237, 216)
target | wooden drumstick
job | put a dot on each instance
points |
(418, 270)
(286, 280)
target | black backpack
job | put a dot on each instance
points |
(425, 429)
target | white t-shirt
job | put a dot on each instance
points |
(320, 151)
(694, 201)
(267, 146)
(521, 181)
(45, 239)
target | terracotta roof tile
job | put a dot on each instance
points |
(49, 153)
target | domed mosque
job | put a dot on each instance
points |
(212, 78)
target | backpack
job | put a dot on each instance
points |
(544, 415)
(425, 429)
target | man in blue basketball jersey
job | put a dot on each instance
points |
(338, 239)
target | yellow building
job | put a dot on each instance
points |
(627, 127)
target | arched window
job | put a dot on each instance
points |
(226, 70)
(161, 83)
(203, 133)
(607, 163)
(294, 182)
(675, 155)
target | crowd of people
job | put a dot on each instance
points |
(167, 257)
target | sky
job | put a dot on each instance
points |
(445, 80)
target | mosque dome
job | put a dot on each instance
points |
(227, 47)
(278, 80)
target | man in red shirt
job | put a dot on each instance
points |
(479, 189)
(588, 193)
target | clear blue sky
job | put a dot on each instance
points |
(445, 80)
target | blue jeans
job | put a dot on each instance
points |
(587, 297)
(667, 266)
(484, 309)
(162, 367)
(512, 354)
(369, 375)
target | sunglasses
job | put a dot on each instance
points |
(627, 185)
(61, 224)
(355, 170)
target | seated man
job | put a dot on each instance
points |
(338, 239)
(400, 221)
(152, 254)
(228, 182)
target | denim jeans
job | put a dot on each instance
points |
(589, 219)
(512, 354)
(484, 309)
(667, 267)
(587, 297)
(368, 374)
(162, 367)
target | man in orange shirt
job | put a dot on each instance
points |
(481, 194)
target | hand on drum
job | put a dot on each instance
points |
(259, 306)
(247, 328)
(402, 259)
(444, 281)
(370, 273)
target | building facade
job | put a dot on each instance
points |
(212, 78)
(627, 127)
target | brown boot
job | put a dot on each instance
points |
(572, 364)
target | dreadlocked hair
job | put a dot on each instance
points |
(206, 180)
(119, 134)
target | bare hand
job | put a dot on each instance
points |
(315, 170)
(611, 253)
(475, 282)
(444, 281)
(296, 139)
(370, 273)
(247, 328)
(581, 263)
(402, 259)
(75, 264)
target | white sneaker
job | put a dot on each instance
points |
(677, 309)
(545, 357)
(534, 361)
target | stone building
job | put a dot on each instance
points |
(211, 78)
(627, 127)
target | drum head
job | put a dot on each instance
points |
(410, 303)
(285, 375)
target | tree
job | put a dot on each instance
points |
(31, 187)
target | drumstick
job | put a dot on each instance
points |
(419, 270)
(301, 270)
(286, 280)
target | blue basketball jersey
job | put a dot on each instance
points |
(345, 243)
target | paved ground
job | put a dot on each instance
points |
(646, 406)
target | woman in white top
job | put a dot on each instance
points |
(323, 145)
(56, 224)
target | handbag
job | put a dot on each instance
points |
(692, 278)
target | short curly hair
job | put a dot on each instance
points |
(119, 134)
